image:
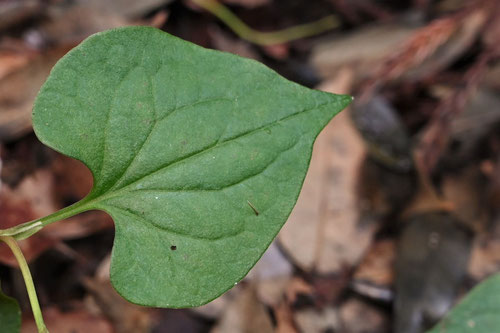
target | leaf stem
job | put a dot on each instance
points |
(27, 229)
(28, 280)
(267, 38)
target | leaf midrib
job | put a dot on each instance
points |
(110, 192)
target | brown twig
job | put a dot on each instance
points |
(436, 135)
(423, 44)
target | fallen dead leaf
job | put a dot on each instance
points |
(271, 275)
(124, 316)
(362, 49)
(377, 266)
(10, 62)
(30, 200)
(318, 321)
(485, 253)
(77, 321)
(284, 319)
(245, 314)
(18, 90)
(297, 287)
(464, 189)
(358, 317)
(323, 232)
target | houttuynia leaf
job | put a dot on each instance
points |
(198, 155)
(10, 314)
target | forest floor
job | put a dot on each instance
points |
(400, 211)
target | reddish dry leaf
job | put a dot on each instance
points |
(428, 41)
(297, 287)
(18, 90)
(76, 321)
(34, 198)
(485, 257)
(435, 136)
(284, 319)
(456, 45)
(376, 267)
(422, 44)
(277, 51)
(30, 200)
(10, 62)
(464, 189)
(328, 289)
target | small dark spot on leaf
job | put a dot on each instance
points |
(173, 248)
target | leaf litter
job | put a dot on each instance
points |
(420, 85)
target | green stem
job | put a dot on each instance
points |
(266, 38)
(27, 229)
(28, 280)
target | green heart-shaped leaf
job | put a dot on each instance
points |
(478, 312)
(198, 155)
(10, 314)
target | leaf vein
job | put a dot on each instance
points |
(132, 213)
(217, 144)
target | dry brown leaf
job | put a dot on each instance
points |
(363, 49)
(376, 267)
(485, 258)
(318, 321)
(18, 90)
(359, 317)
(485, 254)
(124, 316)
(10, 62)
(245, 314)
(271, 275)
(34, 198)
(30, 200)
(76, 321)
(323, 232)
(284, 319)
(296, 287)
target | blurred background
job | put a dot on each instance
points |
(400, 211)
